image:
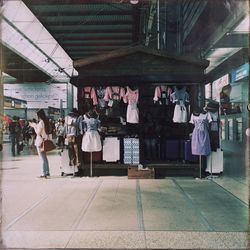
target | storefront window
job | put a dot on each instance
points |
(231, 99)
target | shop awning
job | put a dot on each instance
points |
(138, 65)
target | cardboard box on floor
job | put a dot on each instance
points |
(134, 173)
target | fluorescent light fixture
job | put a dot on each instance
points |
(218, 56)
(243, 26)
(134, 1)
(23, 33)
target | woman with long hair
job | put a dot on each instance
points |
(42, 130)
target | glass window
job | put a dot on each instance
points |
(230, 129)
(223, 137)
(239, 129)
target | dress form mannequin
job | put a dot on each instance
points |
(91, 141)
(200, 142)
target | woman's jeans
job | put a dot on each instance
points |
(45, 163)
(14, 143)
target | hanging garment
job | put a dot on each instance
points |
(100, 92)
(111, 149)
(114, 95)
(200, 136)
(180, 97)
(131, 151)
(91, 141)
(214, 131)
(131, 97)
(89, 98)
(162, 94)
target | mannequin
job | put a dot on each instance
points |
(181, 98)
(200, 136)
(200, 142)
(91, 141)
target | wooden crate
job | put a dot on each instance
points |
(134, 173)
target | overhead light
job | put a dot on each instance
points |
(134, 1)
(36, 45)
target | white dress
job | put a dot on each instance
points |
(131, 97)
(180, 97)
(91, 141)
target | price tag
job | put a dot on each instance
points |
(110, 103)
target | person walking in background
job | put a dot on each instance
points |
(32, 134)
(42, 132)
(15, 134)
(60, 133)
(26, 134)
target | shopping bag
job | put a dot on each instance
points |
(47, 145)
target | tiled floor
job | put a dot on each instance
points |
(117, 213)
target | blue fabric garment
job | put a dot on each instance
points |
(200, 136)
(91, 124)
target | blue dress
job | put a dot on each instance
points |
(200, 136)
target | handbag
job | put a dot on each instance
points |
(20, 146)
(47, 145)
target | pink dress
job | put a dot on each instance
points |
(88, 93)
(131, 97)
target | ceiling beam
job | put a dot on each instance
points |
(226, 26)
(90, 38)
(90, 48)
(66, 13)
(95, 43)
(65, 2)
(92, 31)
(233, 41)
(90, 22)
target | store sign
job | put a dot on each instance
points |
(38, 95)
(240, 73)
(218, 85)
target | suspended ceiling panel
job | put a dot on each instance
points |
(86, 28)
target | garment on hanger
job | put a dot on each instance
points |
(100, 92)
(214, 131)
(89, 98)
(180, 97)
(91, 141)
(200, 137)
(131, 97)
(114, 95)
(162, 94)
